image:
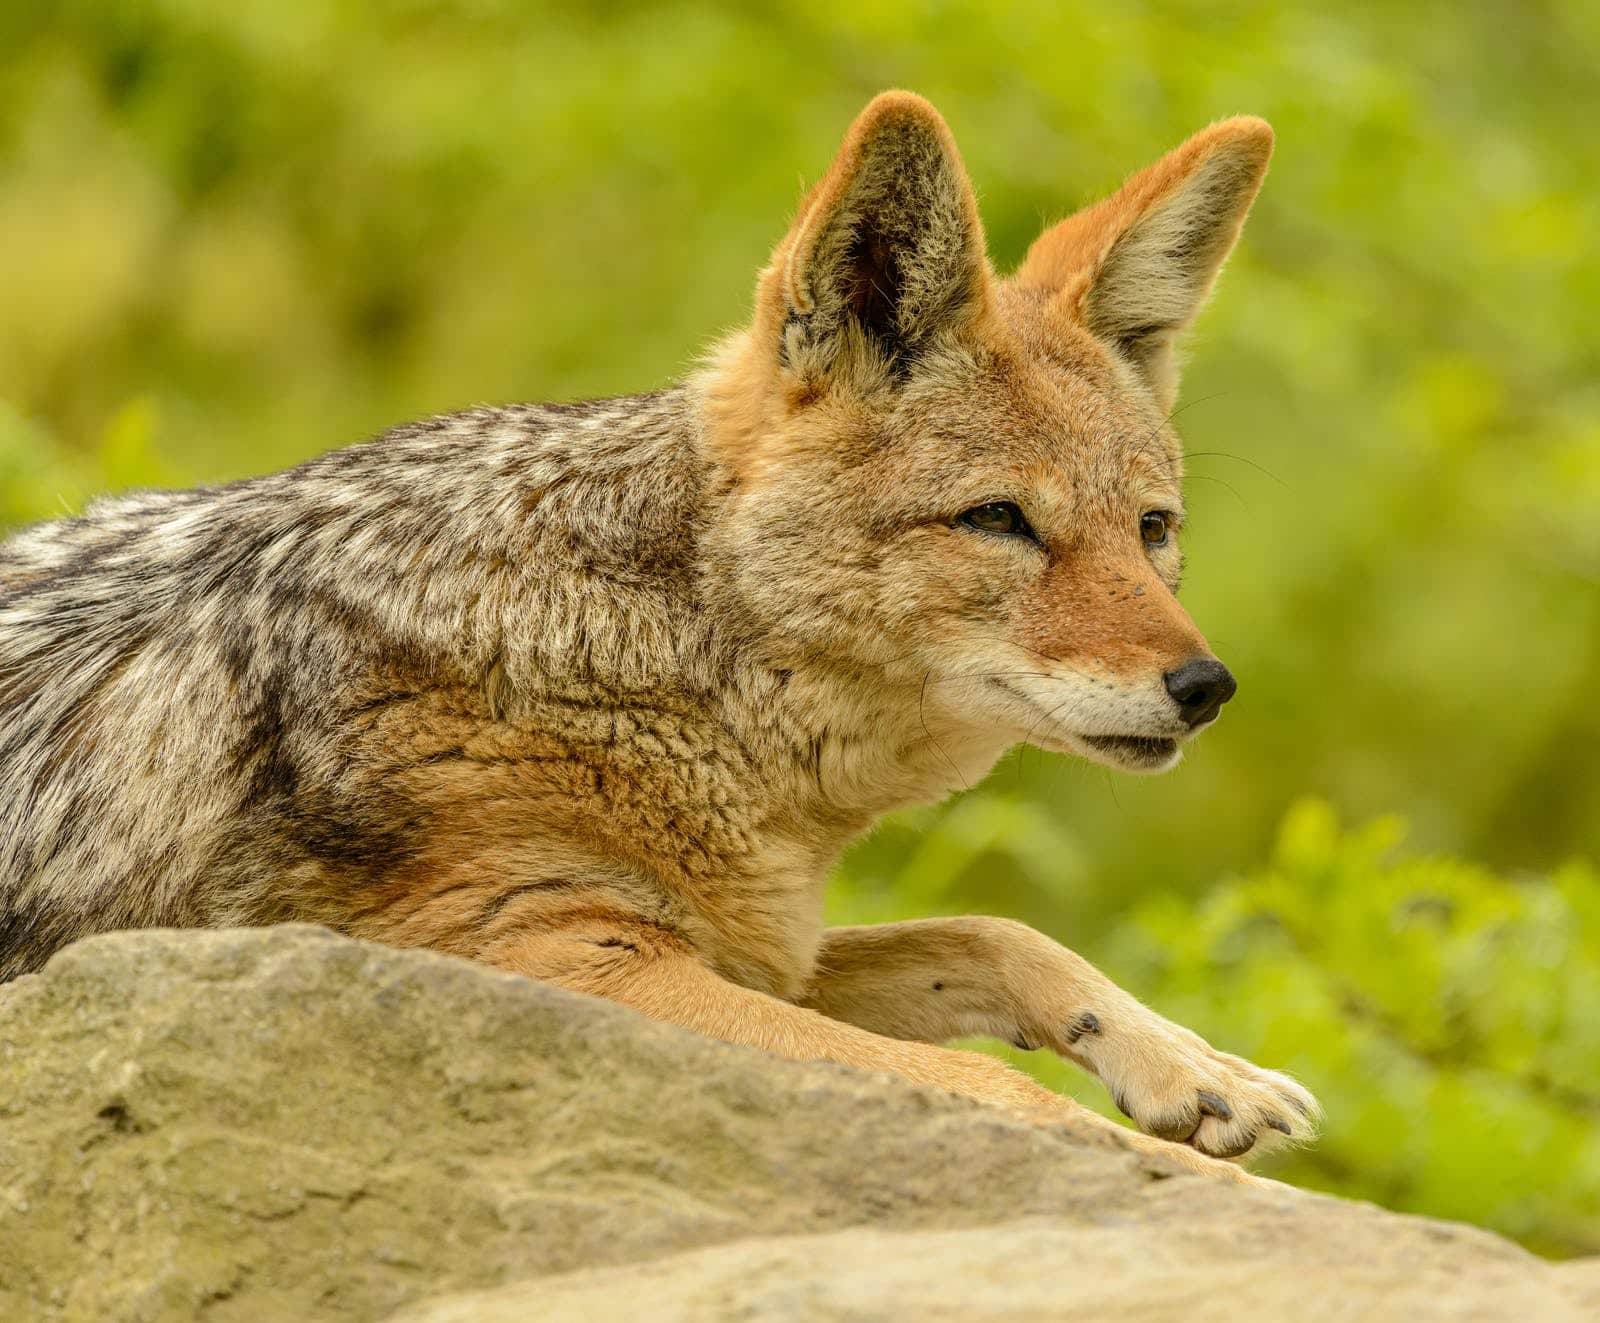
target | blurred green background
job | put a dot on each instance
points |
(233, 236)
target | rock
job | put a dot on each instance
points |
(1014, 1272)
(284, 1124)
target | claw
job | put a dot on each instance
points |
(1278, 1123)
(1212, 1104)
(1084, 1022)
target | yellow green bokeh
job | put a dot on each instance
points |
(234, 235)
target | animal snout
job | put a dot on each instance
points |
(1200, 687)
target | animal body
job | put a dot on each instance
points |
(598, 692)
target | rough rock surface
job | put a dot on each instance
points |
(283, 1124)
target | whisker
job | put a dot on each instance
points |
(1156, 430)
(1048, 716)
(1201, 477)
(1111, 785)
(1238, 459)
(1215, 395)
(1028, 743)
(993, 675)
(991, 638)
(923, 718)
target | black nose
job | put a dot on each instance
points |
(1200, 688)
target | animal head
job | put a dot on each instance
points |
(966, 485)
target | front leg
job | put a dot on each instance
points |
(932, 980)
(641, 964)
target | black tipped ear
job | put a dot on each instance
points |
(888, 253)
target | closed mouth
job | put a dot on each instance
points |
(1138, 749)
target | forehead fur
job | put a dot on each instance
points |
(1026, 389)
(1035, 394)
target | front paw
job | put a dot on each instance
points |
(1173, 1084)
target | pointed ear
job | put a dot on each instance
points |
(1135, 268)
(887, 254)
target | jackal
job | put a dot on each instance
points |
(598, 692)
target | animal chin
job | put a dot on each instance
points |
(1147, 753)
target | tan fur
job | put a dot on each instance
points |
(598, 693)
(1136, 266)
(1104, 607)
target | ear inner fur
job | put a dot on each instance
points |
(1135, 268)
(888, 253)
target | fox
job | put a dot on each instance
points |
(597, 693)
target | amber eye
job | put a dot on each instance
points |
(1153, 528)
(996, 517)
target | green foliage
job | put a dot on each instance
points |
(234, 235)
(1446, 1017)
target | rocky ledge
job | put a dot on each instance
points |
(283, 1124)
